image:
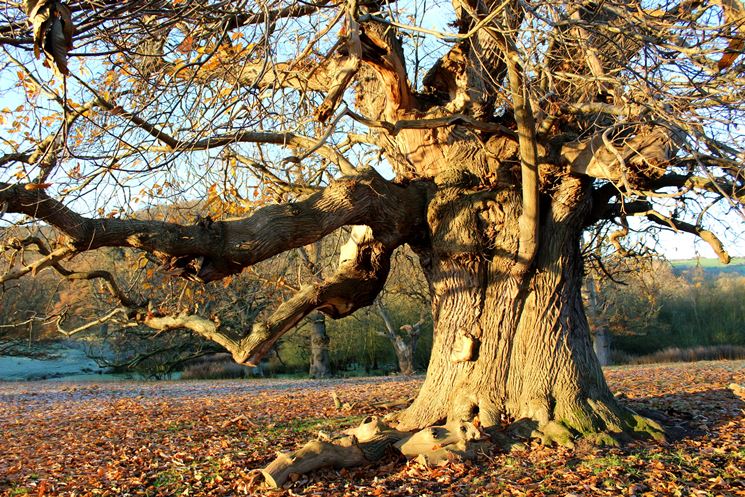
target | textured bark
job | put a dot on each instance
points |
(361, 445)
(211, 250)
(510, 345)
(494, 160)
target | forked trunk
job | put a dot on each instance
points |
(403, 340)
(405, 354)
(511, 345)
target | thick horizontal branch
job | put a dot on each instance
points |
(713, 185)
(393, 128)
(225, 247)
(619, 209)
(301, 76)
(300, 9)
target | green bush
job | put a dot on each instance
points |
(691, 309)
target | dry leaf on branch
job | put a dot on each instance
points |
(53, 30)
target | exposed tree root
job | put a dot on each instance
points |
(459, 440)
(369, 442)
(362, 445)
(600, 426)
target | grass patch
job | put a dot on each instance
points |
(599, 464)
(308, 425)
(690, 263)
(176, 426)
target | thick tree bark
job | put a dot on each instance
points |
(511, 345)
(493, 161)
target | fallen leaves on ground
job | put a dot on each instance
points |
(205, 438)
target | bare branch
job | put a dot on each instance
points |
(51, 258)
(704, 234)
(713, 185)
(96, 322)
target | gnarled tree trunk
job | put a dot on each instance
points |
(512, 344)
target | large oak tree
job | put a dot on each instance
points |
(506, 134)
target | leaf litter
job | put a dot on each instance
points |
(208, 437)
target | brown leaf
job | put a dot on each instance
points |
(731, 53)
(53, 31)
(37, 186)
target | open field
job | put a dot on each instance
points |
(204, 438)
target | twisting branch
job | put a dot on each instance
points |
(363, 268)
(713, 185)
(714, 242)
(348, 68)
(52, 258)
(388, 215)
(212, 250)
(96, 322)
(49, 259)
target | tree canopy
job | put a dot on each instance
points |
(241, 104)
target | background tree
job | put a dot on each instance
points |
(406, 285)
(508, 136)
(320, 365)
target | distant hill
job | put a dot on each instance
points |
(712, 267)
